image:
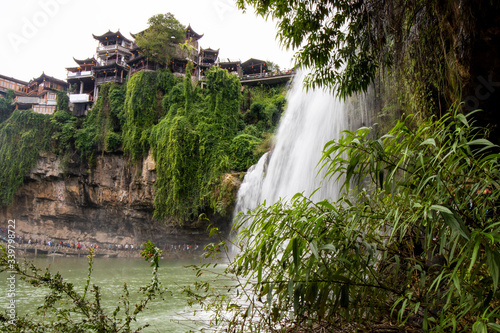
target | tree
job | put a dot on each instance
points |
(159, 40)
(271, 66)
(346, 42)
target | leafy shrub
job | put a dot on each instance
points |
(6, 106)
(105, 117)
(242, 151)
(112, 142)
(413, 243)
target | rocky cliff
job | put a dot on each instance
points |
(109, 203)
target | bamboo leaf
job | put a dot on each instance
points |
(295, 254)
(314, 249)
(429, 141)
(493, 262)
(452, 220)
(494, 327)
(481, 142)
(327, 247)
(474, 253)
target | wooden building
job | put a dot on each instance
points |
(192, 37)
(41, 95)
(139, 62)
(6, 83)
(113, 52)
(182, 57)
(232, 66)
(82, 85)
(254, 67)
(207, 59)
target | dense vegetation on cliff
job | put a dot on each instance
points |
(197, 137)
(22, 136)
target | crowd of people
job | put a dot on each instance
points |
(20, 239)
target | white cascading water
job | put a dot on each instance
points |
(311, 119)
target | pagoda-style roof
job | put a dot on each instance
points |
(253, 66)
(208, 56)
(45, 77)
(253, 62)
(190, 33)
(111, 36)
(138, 33)
(134, 60)
(88, 61)
(209, 51)
(229, 63)
(13, 79)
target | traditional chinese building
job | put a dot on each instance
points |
(207, 58)
(41, 95)
(82, 85)
(232, 66)
(20, 87)
(182, 57)
(139, 62)
(113, 52)
(254, 67)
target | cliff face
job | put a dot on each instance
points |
(111, 203)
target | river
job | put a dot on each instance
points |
(171, 314)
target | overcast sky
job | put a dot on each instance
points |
(44, 35)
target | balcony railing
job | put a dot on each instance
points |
(145, 67)
(27, 100)
(268, 75)
(111, 62)
(102, 80)
(111, 48)
(35, 100)
(80, 74)
(80, 98)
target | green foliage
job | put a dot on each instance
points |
(263, 107)
(242, 150)
(143, 109)
(6, 106)
(159, 39)
(255, 113)
(101, 128)
(22, 137)
(62, 100)
(175, 150)
(413, 244)
(271, 66)
(65, 309)
(191, 145)
(347, 43)
(112, 141)
(64, 124)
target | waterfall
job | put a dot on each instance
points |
(311, 119)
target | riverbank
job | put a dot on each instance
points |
(34, 250)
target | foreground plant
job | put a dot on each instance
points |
(65, 309)
(413, 244)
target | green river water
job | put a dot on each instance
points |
(171, 314)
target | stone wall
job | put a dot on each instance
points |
(110, 203)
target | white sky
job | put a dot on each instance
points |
(44, 35)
